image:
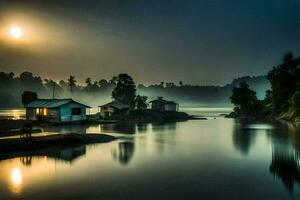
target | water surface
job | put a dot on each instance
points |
(207, 159)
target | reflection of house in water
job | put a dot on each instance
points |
(124, 128)
(74, 128)
(124, 152)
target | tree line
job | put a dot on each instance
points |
(282, 100)
(97, 92)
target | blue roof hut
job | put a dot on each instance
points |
(56, 110)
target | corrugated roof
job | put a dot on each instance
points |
(50, 103)
(163, 101)
(116, 104)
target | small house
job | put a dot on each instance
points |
(56, 110)
(114, 108)
(160, 104)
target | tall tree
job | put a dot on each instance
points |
(284, 81)
(28, 97)
(244, 99)
(72, 83)
(141, 102)
(125, 90)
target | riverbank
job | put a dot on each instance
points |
(16, 145)
(146, 116)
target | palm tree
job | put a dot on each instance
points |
(88, 82)
(72, 83)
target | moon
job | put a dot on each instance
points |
(16, 32)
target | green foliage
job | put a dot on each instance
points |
(244, 99)
(294, 110)
(28, 97)
(285, 80)
(283, 100)
(125, 90)
(296, 102)
(141, 102)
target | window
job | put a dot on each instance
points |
(76, 111)
(45, 111)
(41, 111)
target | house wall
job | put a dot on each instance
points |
(66, 113)
(107, 111)
(171, 107)
(157, 106)
(53, 115)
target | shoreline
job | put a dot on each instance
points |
(18, 145)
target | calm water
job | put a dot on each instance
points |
(212, 159)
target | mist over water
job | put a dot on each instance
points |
(97, 93)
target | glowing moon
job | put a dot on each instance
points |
(16, 32)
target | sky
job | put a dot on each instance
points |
(203, 42)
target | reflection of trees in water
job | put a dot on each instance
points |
(124, 152)
(142, 127)
(243, 138)
(26, 160)
(164, 126)
(285, 140)
(285, 167)
(285, 163)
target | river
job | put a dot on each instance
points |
(217, 158)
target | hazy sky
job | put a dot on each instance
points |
(194, 41)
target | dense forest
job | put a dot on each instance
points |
(97, 92)
(281, 101)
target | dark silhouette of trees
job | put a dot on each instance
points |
(244, 100)
(141, 102)
(124, 152)
(12, 87)
(103, 83)
(170, 84)
(283, 98)
(125, 90)
(113, 80)
(28, 97)
(72, 83)
(88, 82)
(285, 80)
